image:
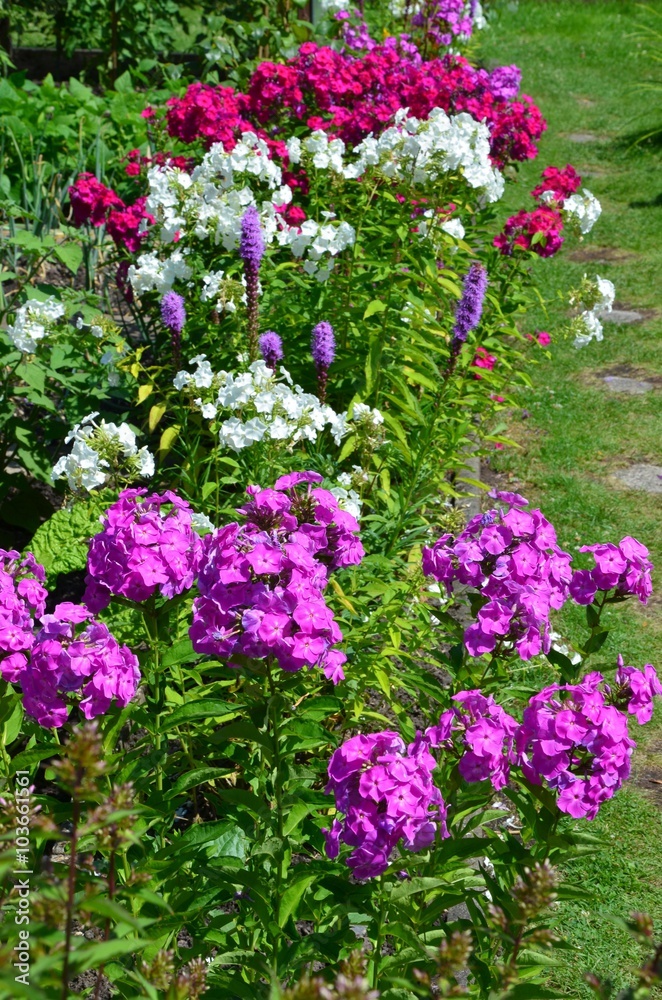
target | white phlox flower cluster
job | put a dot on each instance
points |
(264, 405)
(221, 291)
(34, 321)
(332, 6)
(151, 273)
(348, 499)
(584, 208)
(597, 298)
(95, 329)
(201, 523)
(413, 149)
(209, 204)
(101, 450)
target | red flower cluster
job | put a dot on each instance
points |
(351, 96)
(93, 202)
(136, 162)
(540, 230)
(483, 359)
(214, 114)
(561, 183)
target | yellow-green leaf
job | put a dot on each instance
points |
(168, 438)
(376, 306)
(144, 391)
(155, 415)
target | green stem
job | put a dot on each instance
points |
(380, 934)
(151, 621)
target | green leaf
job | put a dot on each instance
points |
(61, 543)
(376, 306)
(208, 708)
(348, 447)
(292, 897)
(71, 255)
(197, 777)
(23, 760)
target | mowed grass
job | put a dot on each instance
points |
(581, 63)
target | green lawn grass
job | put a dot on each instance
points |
(581, 63)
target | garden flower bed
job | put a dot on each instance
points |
(280, 719)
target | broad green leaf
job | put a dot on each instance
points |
(61, 543)
(71, 255)
(197, 777)
(292, 897)
(376, 306)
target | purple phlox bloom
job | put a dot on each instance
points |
(147, 544)
(386, 793)
(261, 583)
(67, 659)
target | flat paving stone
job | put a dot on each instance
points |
(621, 316)
(583, 137)
(631, 386)
(642, 477)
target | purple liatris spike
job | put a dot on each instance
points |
(271, 348)
(323, 350)
(470, 306)
(173, 314)
(251, 245)
(251, 251)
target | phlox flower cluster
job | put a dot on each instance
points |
(33, 321)
(441, 22)
(264, 404)
(261, 582)
(510, 556)
(558, 204)
(483, 359)
(102, 451)
(485, 734)
(557, 184)
(385, 791)
(577, 743)
(352, 96)
(635, 689)
(94, 203)
(624, 568)
(147, 544)
(595, 298)
(538, 231)
(415, 150)
(22, 599)
(210, 202)
(71, 653)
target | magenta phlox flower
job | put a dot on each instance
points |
(386, 793)
(577, 743)
(262, 582)
(73, 653)
(511, 557)
(624, 568)
(22, 599)
(482, 733)
(147, 544)
(635, 690)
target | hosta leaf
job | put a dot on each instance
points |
(60, 543)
